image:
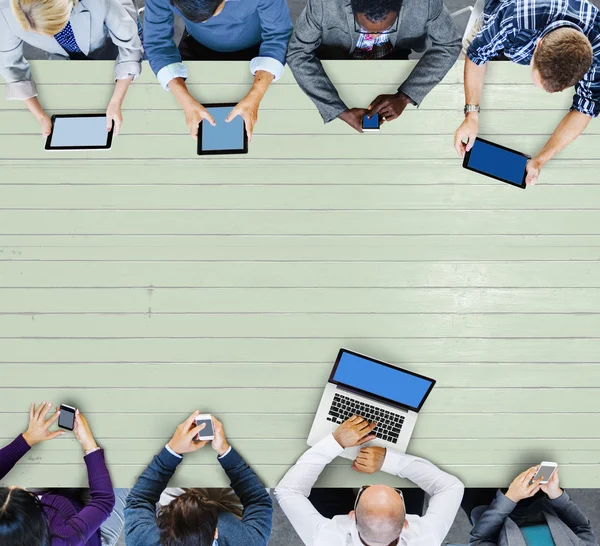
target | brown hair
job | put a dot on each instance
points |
(47, 17)
(562, 58)
(189, 520)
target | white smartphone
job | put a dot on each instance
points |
(545, 472)
(208, 432)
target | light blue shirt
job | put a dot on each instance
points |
(240, 25)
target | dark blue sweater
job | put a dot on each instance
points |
(253, 529)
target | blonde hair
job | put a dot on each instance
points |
(42, 16)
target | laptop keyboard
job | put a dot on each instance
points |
(388, 423)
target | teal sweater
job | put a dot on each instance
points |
(253, 529)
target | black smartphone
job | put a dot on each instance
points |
(370, 123)
(66, 419)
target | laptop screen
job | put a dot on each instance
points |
(381, 380)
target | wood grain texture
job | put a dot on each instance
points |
(143, 282)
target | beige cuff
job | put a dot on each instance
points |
(21, 90)
(128, 69)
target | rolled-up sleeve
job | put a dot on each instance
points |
(14, 68)
(587, 93)
(159, 35)
(121, 22)
(276, 31)
(495, 35)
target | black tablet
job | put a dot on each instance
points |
(79, 132)
(497, 162)
(222, 138)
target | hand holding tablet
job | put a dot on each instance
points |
(79, 132)
(225, 137)
(497, 162)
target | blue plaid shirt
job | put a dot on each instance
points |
(513, 27)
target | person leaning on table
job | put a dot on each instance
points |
(53, 518)
(199, 517)
(527, 514)
(379, 517)
(371, 29)
(560, 41)
(69, 29)
(254, 30)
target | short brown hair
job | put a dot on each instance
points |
(562, 58)
(189, 520)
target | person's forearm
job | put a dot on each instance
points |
(121, 87)
(474, 79)
(262, 80)
(34, 106)
(180, 92)
(570, 127)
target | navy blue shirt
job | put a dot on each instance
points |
(253, 529)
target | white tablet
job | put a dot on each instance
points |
(79, 132)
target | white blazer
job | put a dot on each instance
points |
(95, 23)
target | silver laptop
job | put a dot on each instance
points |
(376, 391)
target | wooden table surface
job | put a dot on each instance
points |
(144, 282)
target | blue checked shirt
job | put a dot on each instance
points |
(513, 27)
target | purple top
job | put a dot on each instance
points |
(70, 523)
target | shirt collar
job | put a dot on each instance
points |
(559, 24)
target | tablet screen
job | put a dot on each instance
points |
(489, 159)
(79, 132)
(223, 136)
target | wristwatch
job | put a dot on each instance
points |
(471, 108)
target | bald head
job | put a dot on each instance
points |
(380, 515)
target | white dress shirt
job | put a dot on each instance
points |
(445, 490)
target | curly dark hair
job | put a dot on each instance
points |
(375, 10)
(197, 11)
(189, 520)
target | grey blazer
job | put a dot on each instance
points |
(568, 524)
(329, 24)
(99, 26)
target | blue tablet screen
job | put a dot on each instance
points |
(223, 136)
(495, 161)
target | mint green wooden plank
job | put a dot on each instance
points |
(287, 97)
(290, 248)
(299, 300)
(109, 171)
(521, 428)
(300, 222)
(300, 374)
(303, 350)
(413, 121)
(327, 147)
(302, 325)
(308, 275)
(289, 401)
(393, 72)
(268, 197)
